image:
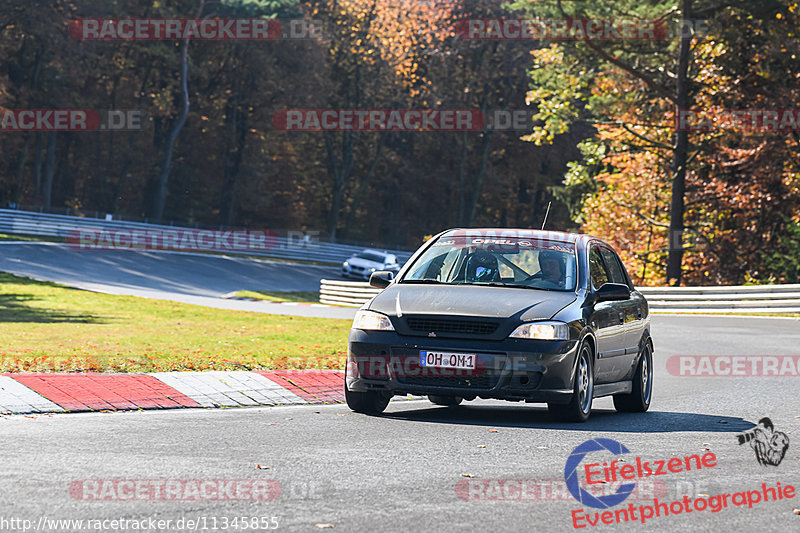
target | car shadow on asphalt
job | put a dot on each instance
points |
(601, 419)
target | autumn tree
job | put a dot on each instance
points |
(635, 193)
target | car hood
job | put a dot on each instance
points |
(472, 301)
(355, 261)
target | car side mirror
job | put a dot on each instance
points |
(611, 292)
(381, 279)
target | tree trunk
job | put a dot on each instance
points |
(37, 163)
(34, 85)
(478, 185)
(49, 169)
(340, 172)
(362, 187)
(233, 161)
(21, 162)
(676, 209)
(160, 199)
(462, 181)
(64, 176)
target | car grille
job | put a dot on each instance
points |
(451, 326)
(480, 382)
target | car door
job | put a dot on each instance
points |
(632, 310)
(606, 322)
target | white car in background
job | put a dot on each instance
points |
(361, 265)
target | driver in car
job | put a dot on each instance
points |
(482, 267)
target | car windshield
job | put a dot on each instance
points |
(370, 257)
(498, 261)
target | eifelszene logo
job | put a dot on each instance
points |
(612, 472)
(573, 482)
(769, 445)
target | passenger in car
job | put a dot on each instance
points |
(552, 267)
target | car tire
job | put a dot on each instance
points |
(638, 401)
(368, 403)
(448, 401)
(580, 405)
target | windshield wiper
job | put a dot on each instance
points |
(513, 286)
(487, 284)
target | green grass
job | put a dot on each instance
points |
(279, 296)
(48, 327)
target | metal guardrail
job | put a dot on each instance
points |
(348, 293)
(15, 222)
(733, 299)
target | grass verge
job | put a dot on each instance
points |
(29, 238)
(279, 296)
(45, 327)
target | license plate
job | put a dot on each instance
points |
(465, 361)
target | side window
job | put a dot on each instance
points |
(616, 274)
(431, 270)
(597, 271)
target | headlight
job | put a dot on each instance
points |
(370, 320)
(346, 264)
(546, 331)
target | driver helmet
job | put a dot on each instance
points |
(482, 267)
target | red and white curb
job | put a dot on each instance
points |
(54, 393)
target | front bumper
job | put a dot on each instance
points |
(510, 369)
(358, 273)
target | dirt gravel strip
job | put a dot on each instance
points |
(30, 393)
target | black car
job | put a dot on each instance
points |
(517, 315)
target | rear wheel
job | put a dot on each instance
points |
(368, 403)
(449, 401)
(580, 405)
(638, 401)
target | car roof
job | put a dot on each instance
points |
(524, 232)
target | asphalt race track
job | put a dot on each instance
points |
(182, 277)
(405, 471)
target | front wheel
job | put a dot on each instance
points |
(580, 405)
(638, 401)
(368, 403)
